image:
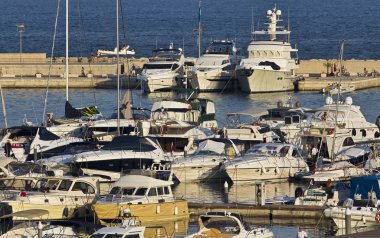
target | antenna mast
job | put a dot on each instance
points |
(199, 30)
(67, 50)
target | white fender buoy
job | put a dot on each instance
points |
(158, 209)
(175, 210)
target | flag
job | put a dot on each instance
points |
(172, 148)
(334, 67)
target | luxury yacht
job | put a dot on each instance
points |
(121, 155)
(206, 163)
(163, 70)
(270, 66)
(336, 126)
(215, 69)
(267, 161)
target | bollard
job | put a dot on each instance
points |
(39, 227)
(348, 221)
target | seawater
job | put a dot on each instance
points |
(317, 25)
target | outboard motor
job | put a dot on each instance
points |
(298, 192)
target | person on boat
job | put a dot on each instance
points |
(133, 70)
(301, 233)
(314, 153)
(324, 116)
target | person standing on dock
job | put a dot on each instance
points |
(301, 233)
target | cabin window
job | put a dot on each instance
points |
(128, 191)
(141, 191)
(348, 141)
(132, 236)
(160, 191)
(175, 66)
(115, 190)
(65, 185)
(113, 236)
(51, 184)
(84, 187)
(295, 153)
(284, 151)
(166, 190)
(97, 236)
(152, 192)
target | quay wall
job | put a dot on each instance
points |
(318, 83)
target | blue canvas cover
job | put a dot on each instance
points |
(364, 184)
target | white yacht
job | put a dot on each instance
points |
(270, 66)
(121, 155)
(163, 70)
(336, 126)
(267, 161)
(206, 163)
(23, 141)
(215, 69)
(223, 224)
(123, 51)
(193, 111)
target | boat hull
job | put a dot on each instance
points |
(359, 218)
(56, 212)
(268, 173)
(199, 173)
(261, 81)
(152, 83)
(165, 211)
(211, 80)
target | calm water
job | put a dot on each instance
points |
(317, 25)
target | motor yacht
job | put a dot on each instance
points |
(146, 198)
(215, 69)
(270, 66)
(122, 154)
(206, 163)
(164, 70)
(267, 161)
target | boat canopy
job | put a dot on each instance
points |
(363, 185)
(210, 145)
(140, 181)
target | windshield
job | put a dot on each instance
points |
(157, 66)
(270, 150)
(123, 191)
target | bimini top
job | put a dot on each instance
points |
(129, 143)
(140, 181)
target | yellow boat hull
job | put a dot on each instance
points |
(145, 213)
(56, 212)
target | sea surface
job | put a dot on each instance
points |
(317, 25)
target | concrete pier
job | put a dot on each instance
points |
(317, 83)
(275, 211)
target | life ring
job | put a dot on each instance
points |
(377, 217)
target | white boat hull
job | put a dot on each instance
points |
(199, 173)
(211, 80)
(268, 173)
(266, 81)
(155, 82)
(359, 218)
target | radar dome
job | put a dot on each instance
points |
(269, 12)
(329, 100)
(278, 12)
(348, 101)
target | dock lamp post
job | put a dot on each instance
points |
(20, 29)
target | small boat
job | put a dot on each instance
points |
(206, 163)
(63, 197)
(267, 161)
(223, 224)
(334, 89)
(124, 51)
(148, 199)
(129, 229)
